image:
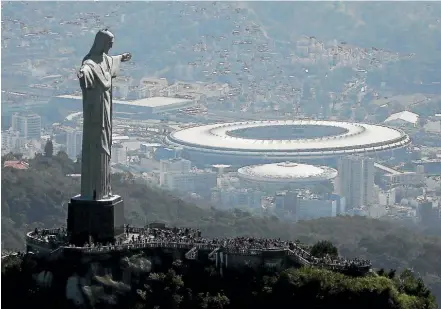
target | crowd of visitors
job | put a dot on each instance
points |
(328, 260)
(192, 237)
(53, 237)
(233, 244)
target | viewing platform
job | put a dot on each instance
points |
(185, 243)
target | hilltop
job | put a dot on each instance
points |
(133, 282)
(35, 203)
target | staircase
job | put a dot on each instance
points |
(298, 258)
(192, 254)
(212, 255)
(55, 254)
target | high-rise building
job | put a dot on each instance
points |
(286, 200)
(195, 181)
(11, 141)
(28, 124)
(340, 200)
(314, 208)
(74, 143)
(119, 154)
(172, 166)
(356, 180)
(428, 211)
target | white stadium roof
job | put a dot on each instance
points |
(404, 116)
(78, 97)
(356, 138)
(287, 172)
(156, 102)
(146, 102)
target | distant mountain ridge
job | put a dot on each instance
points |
(151, 30)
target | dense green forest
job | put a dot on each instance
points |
(193, 285)
(38, 197)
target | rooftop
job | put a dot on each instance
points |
(19, 165)
(405, 116)
(77, 97)
(287, 171)
(146, 102)
(357, 135)
(156, 101)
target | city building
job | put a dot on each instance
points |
(11, 141)
(175, 165)
(145, 108)
(313, 207)
(229, 198)
(27, 124)
(74, 142)
(428, 211)
(226, 181)
(169, 166)
(195, 181)
(387, 198)
(430, 166)
(341, 202)
(165, 153)
(356, 180)
(376, 211)
(404, 118)
(119, 154)
(286, 201)
(148, 148)
(404, 178)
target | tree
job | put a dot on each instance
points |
(391, 273)
(381, 272)
(218, 301)
(323, 248)
(49, 149)
(8, 157)
(63, 156)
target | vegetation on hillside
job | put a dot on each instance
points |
(38, 197)
(197, 286)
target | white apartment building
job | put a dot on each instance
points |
(28, 124)
(356, 180)
(387, 198)
(11, 141)
(172, 166)
(119, 154)
(74, 143)
(194, 181)
(404, 178)
(239, 198)
(308, 209)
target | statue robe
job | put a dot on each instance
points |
(96, 85)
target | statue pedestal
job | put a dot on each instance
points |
(101, 219)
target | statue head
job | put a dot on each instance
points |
(103, 42)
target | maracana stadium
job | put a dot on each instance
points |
(256, 142)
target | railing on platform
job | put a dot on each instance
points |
(294, 251)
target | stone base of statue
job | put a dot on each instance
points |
(95, 220)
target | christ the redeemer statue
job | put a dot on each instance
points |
(95, 76)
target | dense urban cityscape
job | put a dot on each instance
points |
(401, 183)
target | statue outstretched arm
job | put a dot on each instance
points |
(116, 62)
